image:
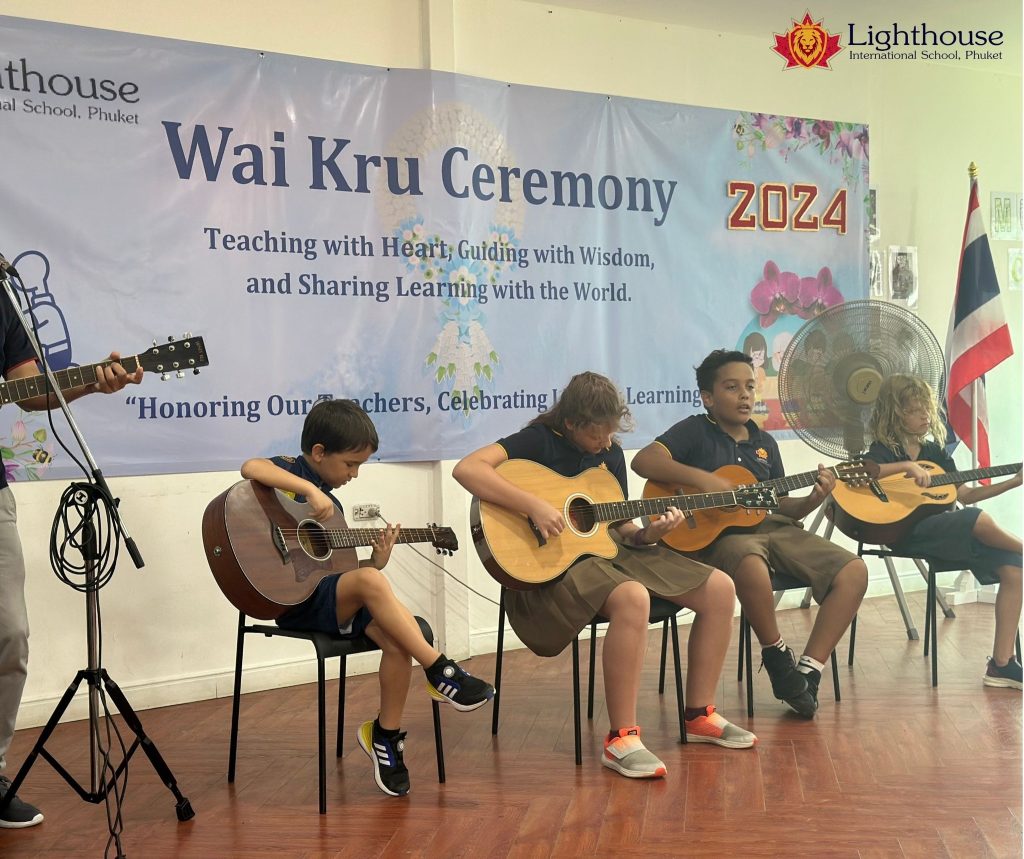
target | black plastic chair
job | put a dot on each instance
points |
(780, 583)
(326, 646)
(662, 611)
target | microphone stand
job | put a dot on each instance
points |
(94, 675)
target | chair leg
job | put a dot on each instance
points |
(664, 649)
(739, 649)
(934, 626)
(835, 676)
(1018, 645)
(341, 703)
(321, 713)
(576, 700)
(748, 633)
(853, 640)
(496, 702)
(592, 667)
(438, 741)
(239, 646)
(680, 702)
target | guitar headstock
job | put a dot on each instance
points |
(444, 540)
(756, 497)
(858, 472)
(174, 356)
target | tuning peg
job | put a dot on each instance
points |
(187, 335)
(154, 341)
(195, 372)
(164, 377)
(180, 374)
(170, 339)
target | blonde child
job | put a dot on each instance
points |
(907, 429)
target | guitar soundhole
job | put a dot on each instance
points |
(581, 515)
(313, 540)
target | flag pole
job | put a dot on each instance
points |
(972, 173)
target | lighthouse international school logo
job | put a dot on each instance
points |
(807, 44)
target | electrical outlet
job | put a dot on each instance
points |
(365, 511)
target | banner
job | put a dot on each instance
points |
(446, 250)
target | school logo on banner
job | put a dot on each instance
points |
(807, 44)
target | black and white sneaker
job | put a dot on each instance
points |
(18, 814)
(449, 682)
(788, 684)
(386, 753)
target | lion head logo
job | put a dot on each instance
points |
(807, 44)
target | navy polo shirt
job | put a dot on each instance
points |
(298, 465)
(930, 451)
(699, 442)
(15, 350)
(543, 445)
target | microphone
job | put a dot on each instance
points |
(6, 267)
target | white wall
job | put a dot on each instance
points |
(168, 631)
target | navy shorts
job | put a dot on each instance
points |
(948, 537)
(319, 613)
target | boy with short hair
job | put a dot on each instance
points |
(688, 452)
(337, 438)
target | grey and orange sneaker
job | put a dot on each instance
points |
(628, 756)
(712, 727)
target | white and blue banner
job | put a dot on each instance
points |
(444, 249)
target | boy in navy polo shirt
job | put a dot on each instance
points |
(688, 453)
(338, 437)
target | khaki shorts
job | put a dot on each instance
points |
(548, 618)
(787, 548)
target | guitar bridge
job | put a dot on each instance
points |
(877, 490)
(277, 536)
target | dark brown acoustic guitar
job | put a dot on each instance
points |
(267, 553)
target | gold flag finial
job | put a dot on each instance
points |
(972, 170)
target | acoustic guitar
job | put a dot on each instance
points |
(884, 511)
(513, 551)
(703, 527)
(267, 554)
(174, 356)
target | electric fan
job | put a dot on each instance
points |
(832, 370)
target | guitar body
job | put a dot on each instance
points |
(511, 550)
(702, 527)
(241, 551)
(861, 515)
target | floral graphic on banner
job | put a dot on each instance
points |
(782, 301)
(844, 143)
(26, 457)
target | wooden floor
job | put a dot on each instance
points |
(895, 769)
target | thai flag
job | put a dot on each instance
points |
(978, 338)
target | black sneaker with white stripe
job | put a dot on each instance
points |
(449, 682)
(18, 814)
(386, 753)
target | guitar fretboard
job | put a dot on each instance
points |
(976, 474)
(351, 538)
(17, 390)
(615, 511)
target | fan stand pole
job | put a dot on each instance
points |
(897, 588)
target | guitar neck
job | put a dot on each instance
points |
(976, 474)
(616, 511)
(351, 538)
(17, 390)
(795, 481)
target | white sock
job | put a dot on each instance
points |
(806, 664)
(780, 644)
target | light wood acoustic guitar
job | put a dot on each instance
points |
(703, 527)
(267, 554)
(884, 511)
(514, 552)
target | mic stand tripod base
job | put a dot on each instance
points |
(97, 677)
